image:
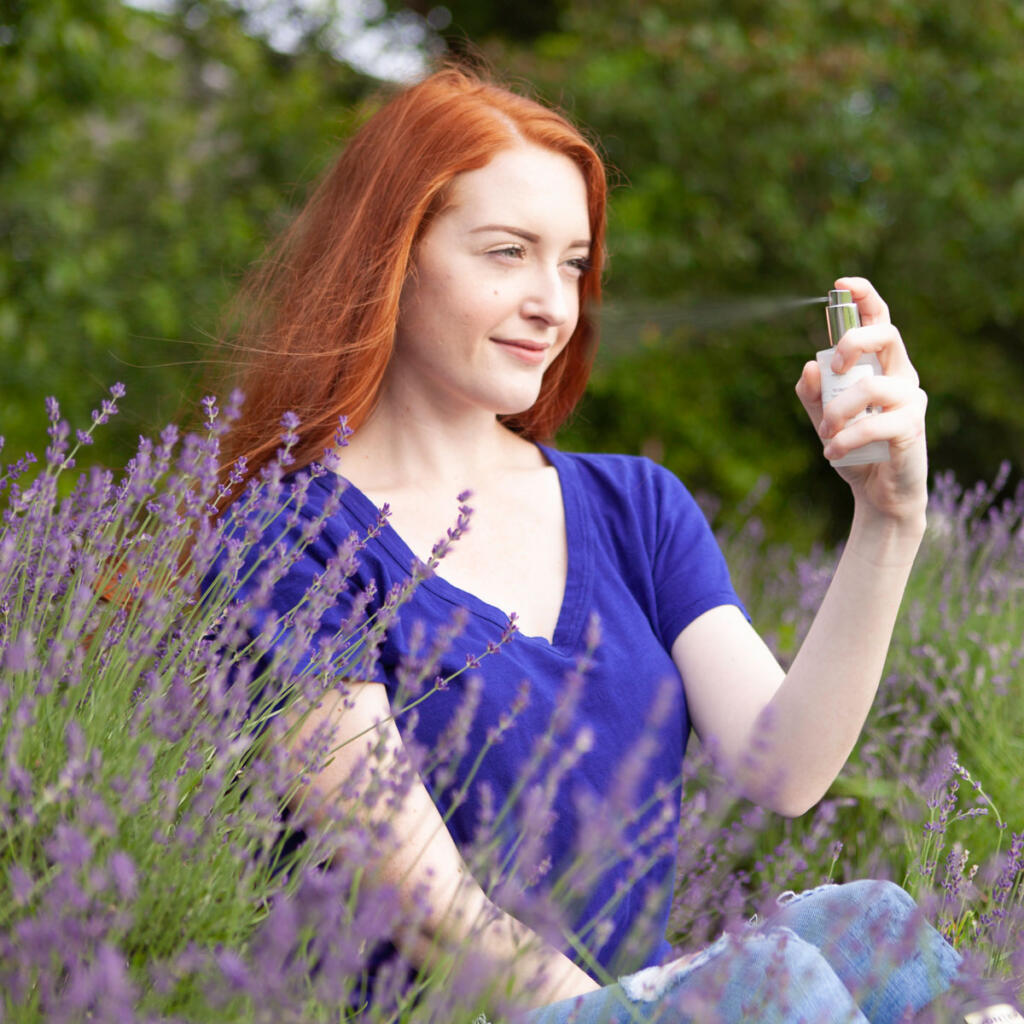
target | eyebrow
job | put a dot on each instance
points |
(528, 236)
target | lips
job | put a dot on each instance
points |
(524, 349)
(524, 343)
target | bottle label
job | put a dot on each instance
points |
(833, 384)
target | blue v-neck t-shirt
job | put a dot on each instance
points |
(565, 786)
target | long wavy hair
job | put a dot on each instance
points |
(313, 326)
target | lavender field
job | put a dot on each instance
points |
(144, 775)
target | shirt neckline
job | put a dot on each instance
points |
(572, 614)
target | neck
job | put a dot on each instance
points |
(402, 444)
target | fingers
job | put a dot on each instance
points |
(808, 390)
(877, 391)
(901, 421)
(869, 303)
(896, 392)
(901, 427)
(884, 340)
(876, 333)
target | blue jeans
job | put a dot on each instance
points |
(840, 953)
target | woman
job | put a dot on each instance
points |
(436, 291)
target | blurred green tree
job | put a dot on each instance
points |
(459, 22)
(145, 159)
(761, 149)
(757, 150)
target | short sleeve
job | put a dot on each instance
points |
(314, 612)
(689, 571)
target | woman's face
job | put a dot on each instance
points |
(493, 294)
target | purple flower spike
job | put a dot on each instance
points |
(123, 873)
(69, 847)
(21, 885)
(210, 411)
(19, 654)
(146, 762)
(343, 432)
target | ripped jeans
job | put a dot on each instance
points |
(848, 954)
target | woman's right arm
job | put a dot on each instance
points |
(422, 856)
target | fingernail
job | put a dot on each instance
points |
(837, 364)
(829, 451)
(824, 431)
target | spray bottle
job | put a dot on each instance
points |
(840, 315)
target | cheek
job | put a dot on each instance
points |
(482, 307)
(432, 310)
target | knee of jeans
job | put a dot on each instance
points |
(776, 955)
(879, 891)
(784, 947)
(773, 965)
(858, 916)
(651, 983)
(851, 899)
(779, 965)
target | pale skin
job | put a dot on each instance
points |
(493, 299)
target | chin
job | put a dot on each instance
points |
(516, 408)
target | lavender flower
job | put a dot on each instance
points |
(146, 772)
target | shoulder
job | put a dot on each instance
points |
(612, 466)
(652, 533)
(306, 511)
(632, 481)
(284, 536)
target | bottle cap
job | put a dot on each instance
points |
(840, 314)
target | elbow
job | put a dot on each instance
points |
(783, 789)
(796, 800)
(795, 806)
(790, 800)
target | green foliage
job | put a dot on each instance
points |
(758, 151)
(763, 149)
(461, 22)
(145, 160)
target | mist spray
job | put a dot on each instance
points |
(840, 315)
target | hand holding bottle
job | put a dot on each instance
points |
(894, 487)
(841, 315)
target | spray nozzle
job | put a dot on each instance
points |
(840, 314)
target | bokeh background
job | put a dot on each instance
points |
(758, 150)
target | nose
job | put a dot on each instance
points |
(552, 298)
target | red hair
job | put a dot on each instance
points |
(315, 321)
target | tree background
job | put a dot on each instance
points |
(757, 151)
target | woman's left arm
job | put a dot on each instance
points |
(783, 737)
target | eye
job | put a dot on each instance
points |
(580, 265)
(515, 252)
